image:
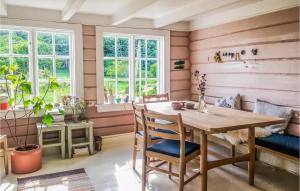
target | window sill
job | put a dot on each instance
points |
(114, 107)
(20, 113)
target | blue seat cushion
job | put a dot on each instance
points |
(158, 130)
(283, 143)
(172, 148)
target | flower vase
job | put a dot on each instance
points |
(202, 105)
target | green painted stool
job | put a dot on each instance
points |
(88, 140)
(50, 142)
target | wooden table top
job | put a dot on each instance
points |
(218, 119)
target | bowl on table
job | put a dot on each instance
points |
(190, 105)
(176, 105)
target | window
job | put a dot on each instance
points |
(131, 66)
(39, 54)
(53, 59)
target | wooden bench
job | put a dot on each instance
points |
(293, 129)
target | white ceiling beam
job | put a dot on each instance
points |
(3, 8)
(71, 7)
(192, 9)
(129, 10)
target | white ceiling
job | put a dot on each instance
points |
(162, 12)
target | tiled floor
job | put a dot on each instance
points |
(110, 170)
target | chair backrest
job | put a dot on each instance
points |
(156, 98)
(137, 110)
(152, 121)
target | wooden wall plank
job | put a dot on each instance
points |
(179, 41)
(265, 51)
(263, 66)
(90, 94)
(180, 75)
(180, 85)
(258, 81)
(278, 33)
(89, 30)
(90, 80)
(180, 95)
(179, 52)
(285, 16)
(89, 67)
(89, 54)
(180, 33)
(89, 41)
(286, 98)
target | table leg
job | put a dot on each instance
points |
(69, 142)
(63, 144)
(251, 146)
(203, 161)
(91, 139)
(5, 150)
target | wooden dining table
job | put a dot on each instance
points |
(219, 120)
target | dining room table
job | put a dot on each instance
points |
(219, 120)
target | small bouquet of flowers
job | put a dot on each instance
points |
(201, 87)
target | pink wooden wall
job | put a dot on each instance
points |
(272, 75)
(180, 79)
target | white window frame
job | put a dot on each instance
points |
(76, 47)
(164, 62)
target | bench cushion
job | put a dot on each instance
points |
(172, 148)
(280, 142)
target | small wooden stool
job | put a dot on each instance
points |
(50, 142)
(88, 140)
(3, 139)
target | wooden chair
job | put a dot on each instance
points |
(172, 148)
(164, 98)
(3, 139)
(156, 98)
(139, 131)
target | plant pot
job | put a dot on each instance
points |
(26, 161)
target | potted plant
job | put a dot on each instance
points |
(25, 158)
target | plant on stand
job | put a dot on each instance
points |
(25, 158)
(201, 87)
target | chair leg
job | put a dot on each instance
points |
(134, 154)
(192, 135)
(233, 152)
(170, 169)
(181, 176)
(144, 171)
(5, 146)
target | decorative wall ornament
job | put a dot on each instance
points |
(217, 57)
(179, 64)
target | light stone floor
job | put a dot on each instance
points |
(111, 170)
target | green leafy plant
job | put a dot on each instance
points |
(18, 90)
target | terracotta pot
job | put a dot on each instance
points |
(28, 161)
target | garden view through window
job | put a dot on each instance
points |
(130, 67)
(46, 56)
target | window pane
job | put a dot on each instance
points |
(151, 87)
(140, 68)
(49, 98)
(20, 42)
(151, 48)
(44, 43)
(62, 68)
(152, 69)
(3, 91)
(45, 68)
(23, 65)
(123, 68)
(63, 90)
(4, 61)
(122, 47)
(140, 48)
(62, 44)
(110, 87)
(4, 47)
(109, 47)
(123, 88)
(109, 68)
(139, 87)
